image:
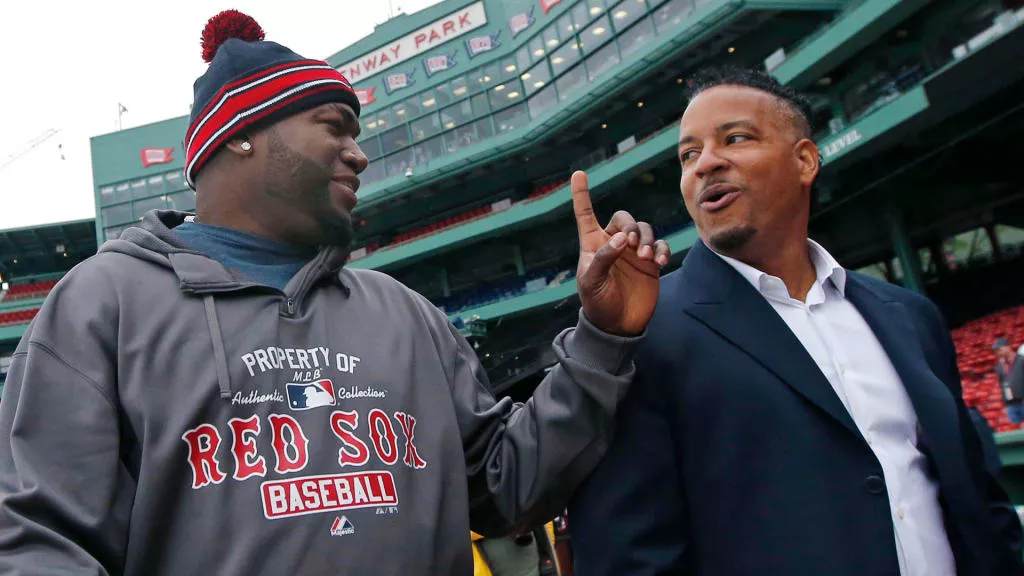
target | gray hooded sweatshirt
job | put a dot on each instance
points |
(161, 417)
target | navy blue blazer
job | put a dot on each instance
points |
(734, 456)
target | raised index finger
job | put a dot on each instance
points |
(586, 222)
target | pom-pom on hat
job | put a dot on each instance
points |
(251, 82)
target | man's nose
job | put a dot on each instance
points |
(709, 162)
(354, 158)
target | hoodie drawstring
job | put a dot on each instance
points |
(223, 380)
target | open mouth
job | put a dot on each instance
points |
(718, 196)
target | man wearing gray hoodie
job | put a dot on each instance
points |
(216, 394)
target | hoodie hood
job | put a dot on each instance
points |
(153, 240)
(199, 275)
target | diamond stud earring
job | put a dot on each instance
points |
(246, 146)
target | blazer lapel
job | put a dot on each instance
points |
(932, 400)
(719, 297)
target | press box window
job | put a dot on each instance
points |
(504, 94)
(536, 78)
(139, 188)
(184, 201)
(637, 37)
(565, 57)
(156, 185)
(106, 195)
(425, 127)
(602, 60)
(174, 180)
(596, 35)
(626, 12)
(122, 192)
(119, 214)
(671, 13)
(141, 207)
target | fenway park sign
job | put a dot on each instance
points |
(415, 43)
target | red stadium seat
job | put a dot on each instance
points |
(976, 361)
(18, 316)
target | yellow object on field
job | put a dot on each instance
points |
(480, 567)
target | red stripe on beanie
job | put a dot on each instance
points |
(250, 98)
(234, 107)
(252, 119)
(248, 80)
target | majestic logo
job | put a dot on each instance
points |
(152, 156)
(311, 395)
(342, 526)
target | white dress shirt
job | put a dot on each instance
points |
(849, 355)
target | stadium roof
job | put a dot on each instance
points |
(46, 249)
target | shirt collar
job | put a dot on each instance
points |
(825, 266)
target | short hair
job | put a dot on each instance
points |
(797, 104)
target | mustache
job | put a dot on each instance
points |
(714, 182)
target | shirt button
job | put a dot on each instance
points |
(874, 484)
(899, 513)
(869, 437)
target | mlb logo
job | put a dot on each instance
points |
(342, 526)
(311, 395)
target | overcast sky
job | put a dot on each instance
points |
(68, 63)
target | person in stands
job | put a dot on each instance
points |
(216, 393)
(788, 416)
(1011, 378)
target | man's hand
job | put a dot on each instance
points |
(618, 269)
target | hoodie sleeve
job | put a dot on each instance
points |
(61, 509)
(525, 460)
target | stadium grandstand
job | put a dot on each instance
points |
(475, 113)
(32, 260)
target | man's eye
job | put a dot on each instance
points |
(688, 155)
(734, 138)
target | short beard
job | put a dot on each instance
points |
(731, 240)
(304, 185)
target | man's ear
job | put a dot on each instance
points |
(241, 146)
(809, 160)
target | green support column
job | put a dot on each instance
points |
(905, 252)
(517, 253)
(446, 289)
(993, 239)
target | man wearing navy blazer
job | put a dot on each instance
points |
(788, 417)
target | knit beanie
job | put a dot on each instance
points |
(251, 82)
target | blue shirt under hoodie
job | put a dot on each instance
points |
(246, 256)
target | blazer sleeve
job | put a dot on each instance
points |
(628, 517)
(1001, 511)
